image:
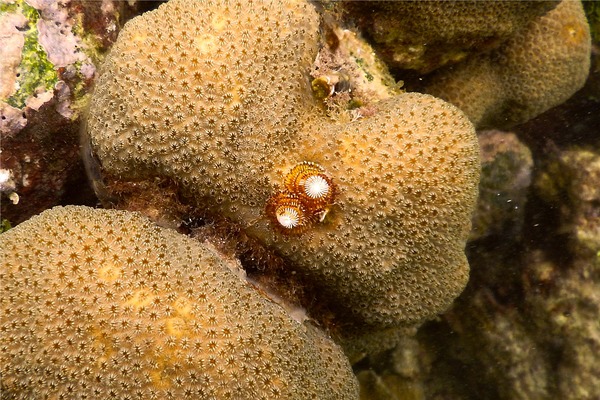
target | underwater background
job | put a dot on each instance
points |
(335, 199)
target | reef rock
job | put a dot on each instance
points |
(49, 55)
(506, 173)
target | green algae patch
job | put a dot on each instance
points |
(320, 87)
(361, 63)
(5, 225)
(592, 12)
(35, 70)
(8, 8)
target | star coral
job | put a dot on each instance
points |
(390, 249)
(425, 35)
(540, 67)
(104, 304)
(218, 100)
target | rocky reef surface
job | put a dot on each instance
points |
(357, 183)
(50, 54)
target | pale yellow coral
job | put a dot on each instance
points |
(390, 249)
(219, 84)
(104, 304)
(540, 67)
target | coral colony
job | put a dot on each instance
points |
(270, 122)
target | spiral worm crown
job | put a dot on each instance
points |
(307, 196)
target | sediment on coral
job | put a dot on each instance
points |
(347, 73)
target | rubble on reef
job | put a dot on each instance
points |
(50, 53)
(386, 200)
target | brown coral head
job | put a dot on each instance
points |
(305, 201)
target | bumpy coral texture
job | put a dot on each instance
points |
(540, 67)
(424, 35)
(104, 304)
(391, 246)
(219, 84)
(236, 115)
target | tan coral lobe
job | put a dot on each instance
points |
(425, 35)
(104, 304)
(391, 249)
(540, 67)
(216, 97)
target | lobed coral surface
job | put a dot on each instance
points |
(219, 101)
(224, 153)
(538, 68)
(425, 35)
(104, 304)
